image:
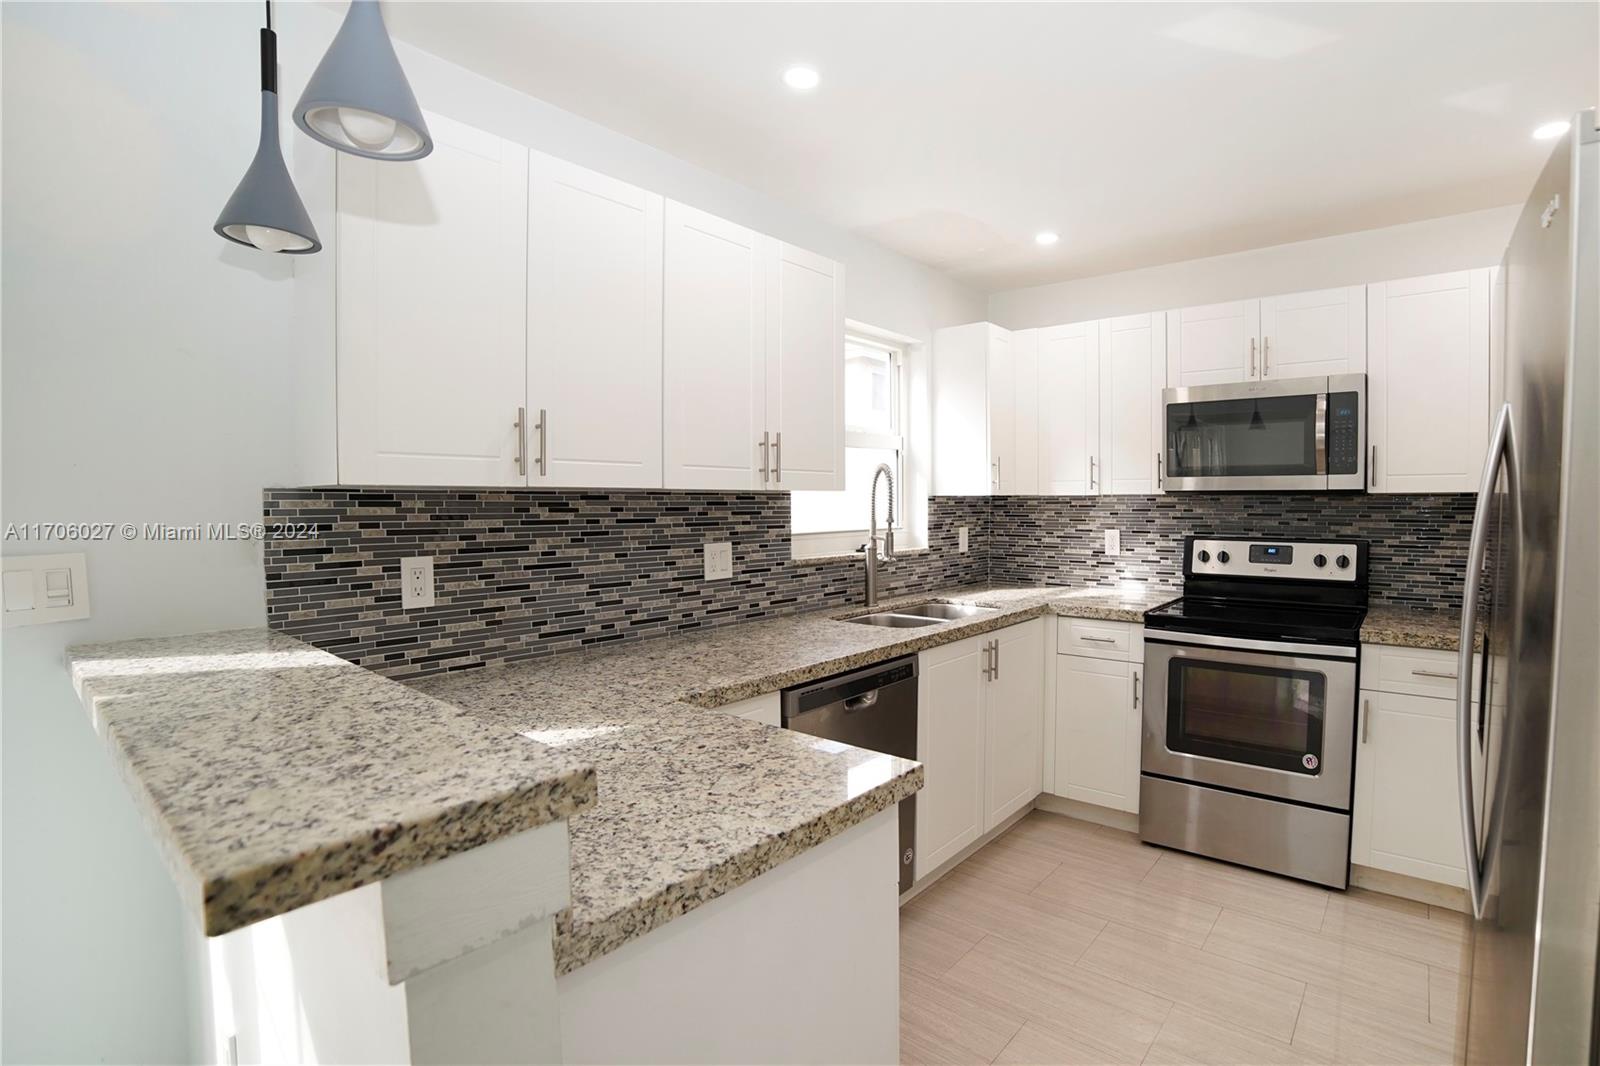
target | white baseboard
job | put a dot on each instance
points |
(1088, 812)
(1413, 888)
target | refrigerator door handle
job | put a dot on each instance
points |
(1502, 451)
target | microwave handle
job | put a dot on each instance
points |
(1322, 433)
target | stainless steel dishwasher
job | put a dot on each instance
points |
(874, 708)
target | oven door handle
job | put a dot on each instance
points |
(1271, 647)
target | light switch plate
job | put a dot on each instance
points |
(961, 539)
(1113, 542)
(718, 559)
(45, 588)
(416, 582)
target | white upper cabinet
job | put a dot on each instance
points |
(805, 369)
(594, 329)
(1308, 334)
(431, 278)
(1428, 381)
(1069, 397)
(714, 352)
(1021, 477)
(974, 409)
(1133, 370)
(1214, 344)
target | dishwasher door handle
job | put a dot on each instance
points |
(863, 701)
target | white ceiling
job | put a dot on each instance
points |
(1142, 133)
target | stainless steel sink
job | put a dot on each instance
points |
(945, 612)
(894, 621)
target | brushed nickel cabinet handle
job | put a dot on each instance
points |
(1266, 348)
(988, 674)
(997, 660)
(1158, 470)
(543, 427)
(1136, 690)
(1366, 719)
(521, 426)
(777, 457)
(1372, 468)
(1452, 675)
(1100, 640)
(1252, 357)
(764, 446)
(1093, 481)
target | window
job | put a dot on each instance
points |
(874, 414)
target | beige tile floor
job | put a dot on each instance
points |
(1066, 942)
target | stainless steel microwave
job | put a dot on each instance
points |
(1295, 433)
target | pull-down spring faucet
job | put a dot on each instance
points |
(870, 548)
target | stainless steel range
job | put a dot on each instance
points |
(1248, 750)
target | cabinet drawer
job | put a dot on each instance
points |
(1100, 640)
(1413, 671)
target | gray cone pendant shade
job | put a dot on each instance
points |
(358, 99)
(265, 210)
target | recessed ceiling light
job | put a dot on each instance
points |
(1046, 237)
(1551, 130)
(801, 79)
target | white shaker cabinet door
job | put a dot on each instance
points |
(1213, 345)
(714, 353)
(1021, 476)
(1014, 713)
(1133, 368)
(594, 329)
(431, 270)
(1098, 720)
(950, 740)
(1310, 334)
(1069, 397)
(1002, 412)
(1428, 382)
(805, 369)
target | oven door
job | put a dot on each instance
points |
(1257, 716)
(1255, 435)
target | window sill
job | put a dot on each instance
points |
(840, 547)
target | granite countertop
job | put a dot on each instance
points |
(693, 802)
(1409, 627)
(276, 774)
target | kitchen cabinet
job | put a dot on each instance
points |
(980, 728)
(431, 277)
(974, 398)
(1021, 475)
(1014, 721)
(951, 680)
(1099, 709)
(1214, 345)
(1069, 397)
(804, 369)
(1309, 334)
(1428, 382)
(713, 352)
(1133, 368)
(594, 329)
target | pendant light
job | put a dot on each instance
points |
(265, 211)
(358, 99)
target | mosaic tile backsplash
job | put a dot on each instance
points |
(521, 574)
(1417, 554)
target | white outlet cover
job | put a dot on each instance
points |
(1113, 542)
(416, 582)
(718, 560)
(961, 539)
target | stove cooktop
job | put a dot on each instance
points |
(1260, 620)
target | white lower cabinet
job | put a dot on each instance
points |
(980, 705)
(1407, 803)
(1098, 711)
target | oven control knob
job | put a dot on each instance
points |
(1205, 556)
(1320, 561)
(1222, 557)
(1343, 562)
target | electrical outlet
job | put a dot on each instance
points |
(1113, 542)
(416, 582)
(718, 559)
(961, 539)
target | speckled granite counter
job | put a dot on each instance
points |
(276, 774)
(1406, 627)
(694, 803)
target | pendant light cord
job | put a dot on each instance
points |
(269, 14)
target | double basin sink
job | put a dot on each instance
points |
(923, 614)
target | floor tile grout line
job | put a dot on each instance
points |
(1015, 1033)
(1294, 1030)
(1172, 1005)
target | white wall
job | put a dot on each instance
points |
(1454, 242)
(153, 372)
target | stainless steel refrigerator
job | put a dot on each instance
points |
(1529, 737)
